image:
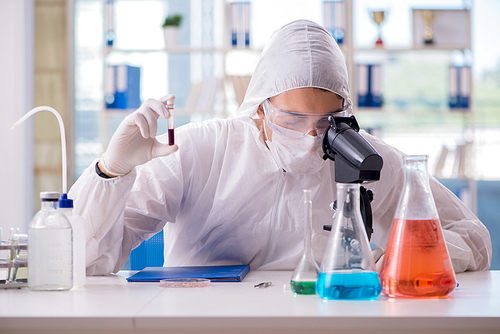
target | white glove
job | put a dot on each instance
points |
(134, 141)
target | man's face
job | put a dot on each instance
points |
(305, 111)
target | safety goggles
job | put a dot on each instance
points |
(296, 125)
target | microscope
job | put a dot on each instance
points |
(356, 161)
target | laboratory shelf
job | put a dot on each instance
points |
(177, 49)
(413, 49)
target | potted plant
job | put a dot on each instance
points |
(171, 29)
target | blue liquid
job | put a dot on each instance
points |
(348, 285)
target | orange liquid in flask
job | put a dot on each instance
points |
(416, 262)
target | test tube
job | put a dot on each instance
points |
(13, 240)
(171, 126)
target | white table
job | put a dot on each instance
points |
(108, 304)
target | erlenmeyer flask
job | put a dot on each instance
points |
(416, 263)
(348, 270)
(304, 277)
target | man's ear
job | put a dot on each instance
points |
(260, 112)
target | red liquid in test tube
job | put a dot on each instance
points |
(171, 127)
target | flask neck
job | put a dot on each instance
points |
(348, 197)
(308, 220)
(416, 201)
(416, 171)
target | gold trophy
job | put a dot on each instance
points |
(428, 33)
(378, 17)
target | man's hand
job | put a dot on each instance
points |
(134, 141)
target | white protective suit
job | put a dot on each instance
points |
(222, 199)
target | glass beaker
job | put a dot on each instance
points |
(348, 269)
(303, 281)
(416, 263)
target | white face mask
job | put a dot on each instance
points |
(296, 155)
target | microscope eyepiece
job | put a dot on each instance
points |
(355, 159)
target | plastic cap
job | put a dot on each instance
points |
(50, 195)
(65, 202)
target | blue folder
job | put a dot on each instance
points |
(234, 273)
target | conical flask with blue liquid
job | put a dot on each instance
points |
(348, 269)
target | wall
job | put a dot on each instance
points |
(16, 98)
(34, 43)
(52, 88)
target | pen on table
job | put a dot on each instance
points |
(262, 285)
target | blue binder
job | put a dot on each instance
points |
(124, 87)
(234, 273)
